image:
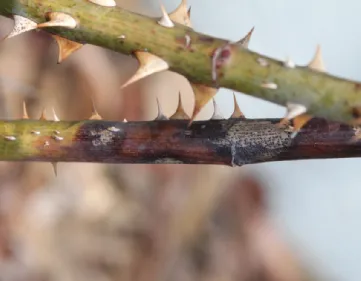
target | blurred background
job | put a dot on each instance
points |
(275, 221)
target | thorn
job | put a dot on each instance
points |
(43, 113)
(148, 65)
(55, 168)
(104, 3)
(317, 61)
(217, 115)
(237, 113)
(25, 111)
(55, 117)
(244, 42)
(181, 14)
(66, 47)
(95, 115)
(262, 62)
(125, 120)
(180, 114)
(289, 63)
(300, 121)
(293, 110)
(58, 19)
(165, 20)
(21, 25)
(202, 95)
(160, 115)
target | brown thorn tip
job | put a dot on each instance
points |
(317, 61)
(217, 115)
(160, 115)
(237, 113)
(25, 111)
(244, 42)
(55, 168)
(43, 114)
(180, 114)
(165, 20)
(181, 14)
(148, 64)
(21, 25)
(104, 3)
(66, 47)
(58, 19)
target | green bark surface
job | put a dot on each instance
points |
(324, 95)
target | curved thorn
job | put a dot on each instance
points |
(160, 115)
(148, 65)
(181, 14)
(180, 114)
(217, 115)
(202, 95)
(55, 117)
(66, 47)
(317, 61)
(165, 20)
(58, 19)
(95, 115)
(237, 113)
(55, 168)
(244, 42)
(21, 25)
(25, 111)
(43, 114)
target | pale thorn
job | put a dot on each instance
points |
(66, 47)
(21, 25)
(95, 115)
(104, 3)
(293, 110)
(125, 120)
(180, 114)
(289, 63)
(217, 115)
(268, 85)
(244, 42)
(58, 19)
(160, 115)
(25, 111)
(165, 20)
(237, 113)
(43, 114)
(317, 61)
(181, 14)
(55, 117)
(55, 168)
(148, 65)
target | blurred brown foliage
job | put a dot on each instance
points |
(122, 222)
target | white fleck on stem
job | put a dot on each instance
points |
(104, 3)
(269, 85)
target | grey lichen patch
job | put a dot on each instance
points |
(252, 142)
(103, 137)
(168, 160)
